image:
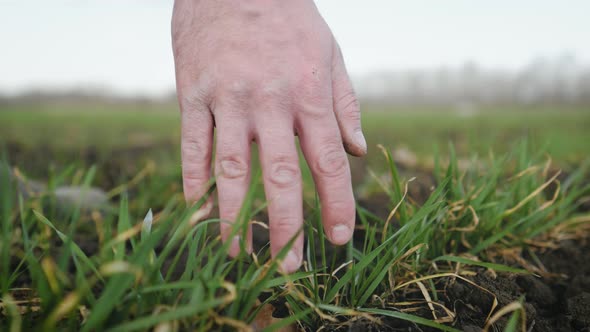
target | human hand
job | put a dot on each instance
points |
(264, 71)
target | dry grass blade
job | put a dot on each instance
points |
(394, 210)
(529, 170)
(531, 195)
(453, 275)
(118, 267)
(259, 223)
(470, 228)
(335, 272)
(579, 226)
(51, 271)
(293, 290)
(69, 303)
(511, 307)
(391, 276)
(233, 323)
(427, 298)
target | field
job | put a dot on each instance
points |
(465, 221)
(561, 131)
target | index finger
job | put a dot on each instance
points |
(196, 146)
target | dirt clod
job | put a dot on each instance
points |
(557, 303)
(579, 307)
(536, 290)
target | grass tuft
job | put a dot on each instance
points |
(116, 271)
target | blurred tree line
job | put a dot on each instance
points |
(561, 80)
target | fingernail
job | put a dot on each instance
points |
(291, 262)
(359, 140)
(341, 234)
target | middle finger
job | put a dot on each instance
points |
(282, 185)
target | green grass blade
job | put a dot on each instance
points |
(299, 315)
(409, 318)
(78, 253)
(178, 313)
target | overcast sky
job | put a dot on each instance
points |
(125, 44)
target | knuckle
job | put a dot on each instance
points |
(349, 105)
(194, 150)
(311, 79)
(278, 87)
(284, 224)
(194, 175)
(233, 167)
(332, 161)
(194, 183)
(313, 95)
(228, 211)
(192, 97)
(317, 107)
(284, 172)
(313, 109)
(277, 92)
(241, 90)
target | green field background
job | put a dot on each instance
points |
(63, 128)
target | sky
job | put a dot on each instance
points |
(124, 45)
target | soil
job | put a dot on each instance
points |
(560, 302)
(553, 303)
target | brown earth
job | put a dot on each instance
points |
(557, 303)
(560, 302)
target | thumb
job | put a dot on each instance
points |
(346, 107)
